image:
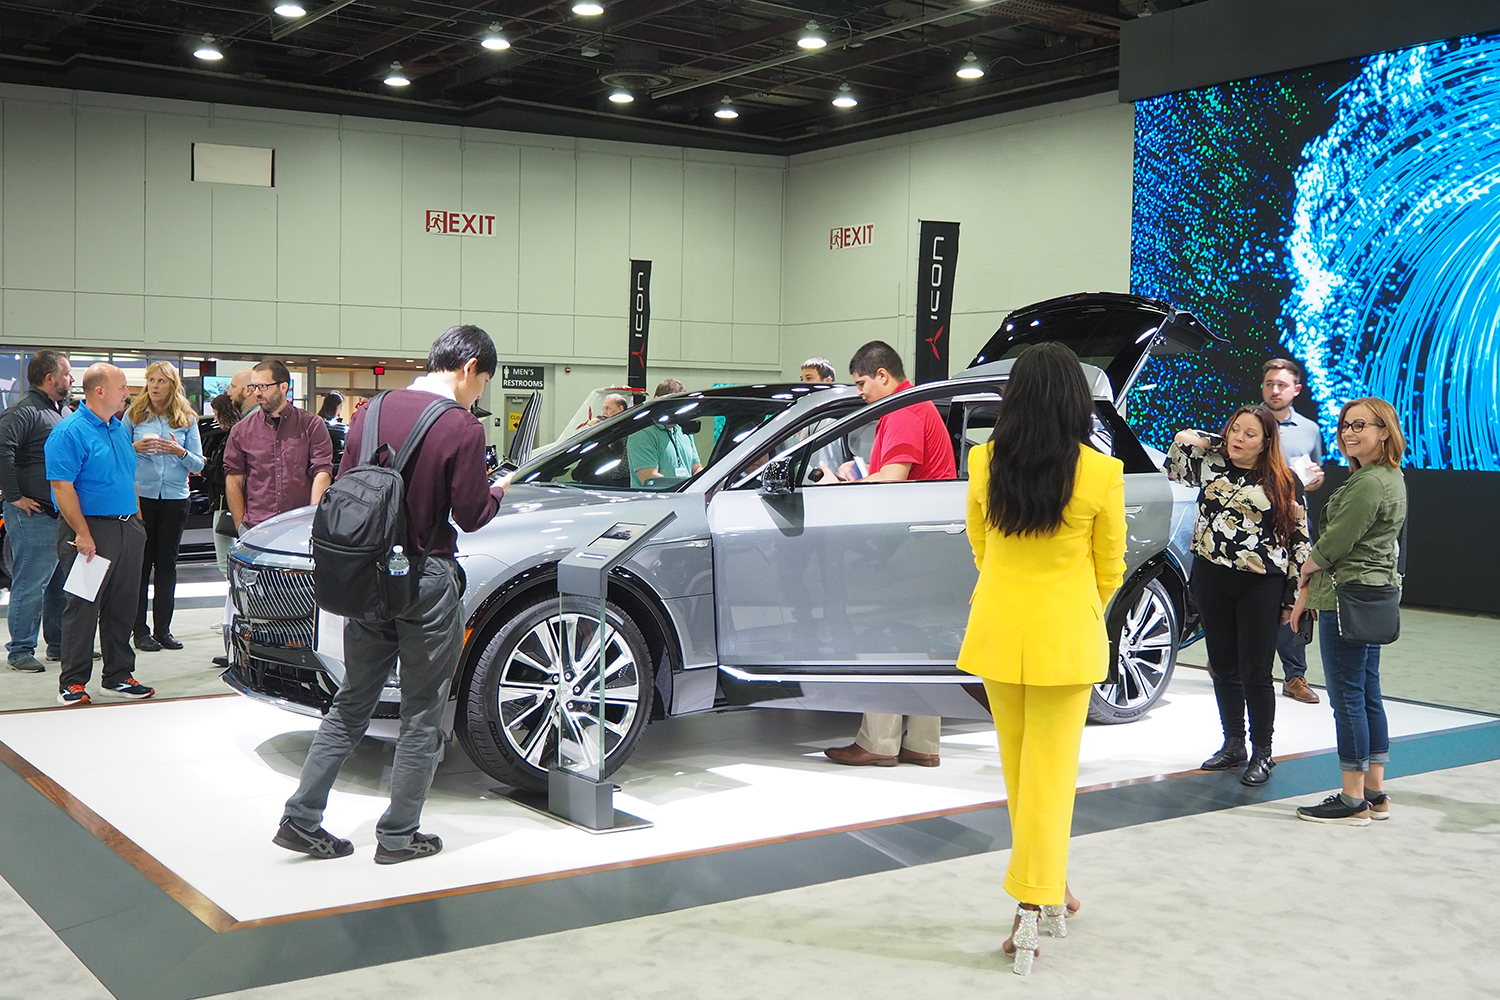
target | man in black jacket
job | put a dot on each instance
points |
(36, 594)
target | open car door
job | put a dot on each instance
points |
(1115, 333)
(524, 436)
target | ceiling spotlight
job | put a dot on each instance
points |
(587, 8)
(812, 38)
(494, 39)
(208, 49)
(396, 78)
(621, 96)
(970, 70)
(844, 99)
(290, 9)
(726, 110)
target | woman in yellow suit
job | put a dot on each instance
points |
(1047, 523)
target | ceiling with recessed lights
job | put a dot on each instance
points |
(735, 74)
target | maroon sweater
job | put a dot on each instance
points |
(448, 473)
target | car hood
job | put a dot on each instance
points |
(551, 517)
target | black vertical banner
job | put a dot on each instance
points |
(937, 261)
(640, 323)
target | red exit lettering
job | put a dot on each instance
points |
(845, 237)
(459, 223)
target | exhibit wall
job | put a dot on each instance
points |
(1043, 201)
(109, 239)
(1344, 215)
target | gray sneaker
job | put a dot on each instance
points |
(423, 845)
(28, 665)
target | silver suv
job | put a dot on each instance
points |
(773, 586)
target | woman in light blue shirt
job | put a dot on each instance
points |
(168, 449)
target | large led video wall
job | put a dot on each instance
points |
(1347, 215)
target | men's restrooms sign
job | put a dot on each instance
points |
(640, 324)
(937, 259)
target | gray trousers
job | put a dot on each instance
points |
(428, 638)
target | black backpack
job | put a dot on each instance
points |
(360, 518)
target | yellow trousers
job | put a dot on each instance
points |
(1040, 728)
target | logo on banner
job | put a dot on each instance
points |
(846, 237)
(459, 223)
(640, 324)
(935, 272)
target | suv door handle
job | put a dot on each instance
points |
(949, 529)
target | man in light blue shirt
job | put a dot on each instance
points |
(91, 465)
(1302, 446)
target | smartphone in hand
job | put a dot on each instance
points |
(1304, 632)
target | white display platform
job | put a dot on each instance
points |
(199, 786)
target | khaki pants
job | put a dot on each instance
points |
(1040, 729)
(882, 734)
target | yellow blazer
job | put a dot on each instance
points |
(1037, 614)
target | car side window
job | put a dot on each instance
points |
(911, 431)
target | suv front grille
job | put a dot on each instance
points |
(293, 682)
(267, 593)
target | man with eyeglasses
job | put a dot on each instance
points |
(1302, 445)
(278, 458)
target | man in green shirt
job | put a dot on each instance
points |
(662, 450)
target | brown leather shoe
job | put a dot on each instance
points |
(920, 759)
(857, 756)
(1297, 689)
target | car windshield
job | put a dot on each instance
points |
(659, 446)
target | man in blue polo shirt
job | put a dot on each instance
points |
(91, 464)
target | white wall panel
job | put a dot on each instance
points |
(369, 329)
(173, 320)
(602, 240)
(420, 327)
(705, 342)
(431, 179)
(656, 229)
(708, 211)
(547, 221)
(110, 225)
(757, 246)
(308, 215)
(370, 243)
(603, 336)
(500, 326)
(244, 242)
(38, 192)
(244, 323)
(179, 213)
(490, 268)
(543, 335)
(302, 326)
(38, 318)
(103, 318)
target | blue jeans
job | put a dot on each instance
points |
(1352, 673)
(36, 594)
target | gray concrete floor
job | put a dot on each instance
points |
(1247, 903)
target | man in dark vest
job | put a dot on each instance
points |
(448, 475)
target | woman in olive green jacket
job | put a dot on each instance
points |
(1357, 543)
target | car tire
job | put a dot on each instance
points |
(507, 718)
(1144, 633)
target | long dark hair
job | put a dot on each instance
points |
(1271, 471)
(1045, 414)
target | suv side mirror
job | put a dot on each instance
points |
(776, 478)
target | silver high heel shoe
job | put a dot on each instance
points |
(1054, 921)
(1026, 940)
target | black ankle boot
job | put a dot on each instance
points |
(1258, 771)
(1231, 754)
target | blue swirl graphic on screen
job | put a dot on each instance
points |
(1393, 252)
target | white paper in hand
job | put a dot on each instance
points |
(1306, 469)
(86, 576)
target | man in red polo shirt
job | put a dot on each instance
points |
(910, 443)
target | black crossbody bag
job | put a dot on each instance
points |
(1371, 613)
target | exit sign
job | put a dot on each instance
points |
(378, 369)
(845, 237)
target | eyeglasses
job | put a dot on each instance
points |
(1278, 385)
(1358, 426)
(262, 386)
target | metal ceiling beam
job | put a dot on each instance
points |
(782, 60)
(307, 19)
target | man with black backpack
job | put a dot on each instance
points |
(398, 585)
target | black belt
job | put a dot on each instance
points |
(108, 517)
